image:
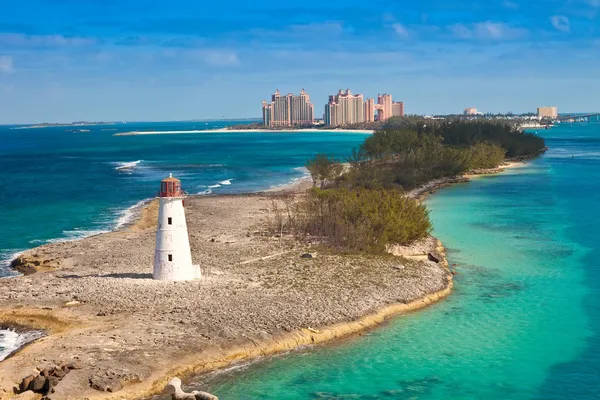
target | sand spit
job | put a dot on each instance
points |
(258, 297)
(221, 130)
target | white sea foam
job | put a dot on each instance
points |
(129, 165)
(6, 258)
(226, 182)
(125, 217)
(214, 186)
(11, 340)
(130, 213)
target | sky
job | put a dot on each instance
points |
(107, 60)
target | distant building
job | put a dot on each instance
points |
(398, 109)
(384, 106)
(547, 112)
(345, 108)
(288, 110)
(470, 111)
(369, 110)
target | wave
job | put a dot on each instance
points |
(123, 218)
(226, 182)
(214, 186)
(129, 214)
(11, 340)
(127, 165)
(6, 258)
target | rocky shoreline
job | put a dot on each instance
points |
(129, 335)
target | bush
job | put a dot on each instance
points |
(324, 169)
(361, 219)
(484, 155)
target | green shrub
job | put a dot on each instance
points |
(362, 219)
(324, 169)
(484, 155)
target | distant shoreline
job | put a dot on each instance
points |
(221, 130)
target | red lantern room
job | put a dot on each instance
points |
(171, 187)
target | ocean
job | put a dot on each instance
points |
(523, 321)
(66, 183)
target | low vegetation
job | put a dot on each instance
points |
(357, 219)
(361, 207)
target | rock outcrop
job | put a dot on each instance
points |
(47, 379)
(174, 389)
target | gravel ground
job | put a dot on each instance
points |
(107, 313)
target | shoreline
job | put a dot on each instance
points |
(216, 359)
(222, 130)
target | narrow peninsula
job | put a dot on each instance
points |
(330, 257)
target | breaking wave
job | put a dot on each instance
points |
(120, 166)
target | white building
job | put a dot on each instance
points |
(172, 256)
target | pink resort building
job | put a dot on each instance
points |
(288, 110)
(346, 108)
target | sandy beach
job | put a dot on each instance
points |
(221, 130)
(129, 334)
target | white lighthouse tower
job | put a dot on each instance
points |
(172, 256)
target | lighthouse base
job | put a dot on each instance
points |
(171, 273)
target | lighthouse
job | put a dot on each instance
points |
(172, 256)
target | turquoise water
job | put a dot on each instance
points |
(61, 185)
(523, 321)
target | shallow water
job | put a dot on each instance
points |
(523, 321)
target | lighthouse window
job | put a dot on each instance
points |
(170, 257)
(170, 221)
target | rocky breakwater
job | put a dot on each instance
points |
(31, 263)
(258, 296)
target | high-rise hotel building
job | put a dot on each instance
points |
(288, 110)
(346, 108)
(398, 109)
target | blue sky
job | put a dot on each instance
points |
(66, 60)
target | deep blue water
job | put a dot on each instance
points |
(523, 321)
(58, 184)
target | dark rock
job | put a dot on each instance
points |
(59, 372)
(73, 365)
(51, 382)
(454, 272)
(435, 257)
(37, 385)
(105, 382)
(101, 314)
(306, 255)
(25, 383)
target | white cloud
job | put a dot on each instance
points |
(400, 29)
(6, 64)
(317, 28)
(487, 30)
(20, 40)
(511, 5)
(561, 23)
(218, 58)
(211, 57)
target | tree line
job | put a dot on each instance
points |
(359, 204)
